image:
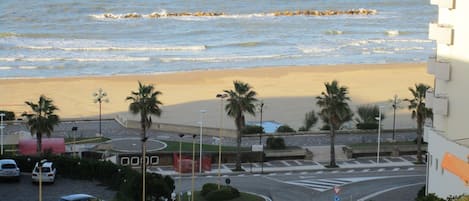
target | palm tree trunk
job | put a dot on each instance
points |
(39, 143)
(238, 150)
(143, 160)
(332, 162)
(419, 138)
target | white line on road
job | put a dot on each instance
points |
(411, 168)
(285, 163)
(366, 170)
(298, 162)
(387, 190)
(396, 169)
(350, 171)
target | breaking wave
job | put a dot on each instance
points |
(49, 59)
(148, 48)
(219, 59)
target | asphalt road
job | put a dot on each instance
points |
(25, 190)
(370, 185)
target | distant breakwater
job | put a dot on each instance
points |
(360, 11)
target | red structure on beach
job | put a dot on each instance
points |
(54, 145)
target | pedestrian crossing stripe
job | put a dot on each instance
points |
(322, 185)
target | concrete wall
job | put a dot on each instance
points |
(442, 182)
(185, 129)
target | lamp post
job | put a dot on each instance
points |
(40, 177)
(100, 96)
(221, 97)
(1, 130)
(201, 118)
(260, 140)
(395, 105)
(193, 164)
(180, 157)
(379, 135)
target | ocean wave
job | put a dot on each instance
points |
(28, 67)
(166, 14)
(316, 50)
(6, 67)
(49, 59)
(392, 32)
(219, 59)
(334, 32)
(148, 48)
(7, 34)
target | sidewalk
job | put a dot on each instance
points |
(297, 165)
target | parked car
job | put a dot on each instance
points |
(9, 169)
(48, 172)
(79, 197)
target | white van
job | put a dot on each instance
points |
(9, 169)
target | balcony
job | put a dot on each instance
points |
(440, 106)
(441, 70)
(443, 3)
(443, 34)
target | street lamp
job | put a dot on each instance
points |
(201, 118)
(379, 134)
(221, 97)
(100, 96)
(180, 157)
(40, 177)
(260, 139)
(395, 105)
(193, 164)
(1, 130)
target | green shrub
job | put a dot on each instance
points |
(325, 127)
(252, 129)
(367, 126)
(275, 143)
(125, 180)
(9, 115)
(208, 187)
(284, 129)
(225, 193)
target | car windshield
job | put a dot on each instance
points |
(8, 166)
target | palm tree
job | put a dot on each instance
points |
(144, 102)
(42, 119)
(240, 100)
(334, 110)
(419, 112)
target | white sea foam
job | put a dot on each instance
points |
(218, 59)
(334, 32)
(28, 67)
(98, 59)
(316, 50)
(392, 32)
(6, 67)
(110, 48)
(408, 48)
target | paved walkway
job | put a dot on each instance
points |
(392, 163)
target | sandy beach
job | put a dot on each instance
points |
(288, 92)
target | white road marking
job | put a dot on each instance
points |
(349, 171)
(396, 169)
(387, 190)
(319, 172)
(410, 169)
(366, 170)
(285, 163)
(298, 162)
(288, 173)
(303, 173)
(381, 169)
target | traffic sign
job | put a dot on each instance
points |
(336, 198)
(337, 190)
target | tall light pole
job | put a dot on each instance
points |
(1, 130)
(395, 105)
(201, 118)
(193, 164)
(379, 134)
(221, 97)
(180, 157)
(99, 97)
(260, 139)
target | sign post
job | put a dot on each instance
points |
(336, 191)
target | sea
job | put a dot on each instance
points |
(72, 38)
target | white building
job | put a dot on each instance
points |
(448, 137)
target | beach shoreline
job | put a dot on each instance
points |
(288, 92)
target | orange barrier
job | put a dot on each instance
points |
(456, 166)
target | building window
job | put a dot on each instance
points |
(135, 160)
(125, 161)
(436, 163)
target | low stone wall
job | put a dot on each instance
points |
(385, 150)
(177, 128)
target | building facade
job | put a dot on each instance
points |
(448, 134)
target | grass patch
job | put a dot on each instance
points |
(186, 146)
(86, 140)
(243, 197)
